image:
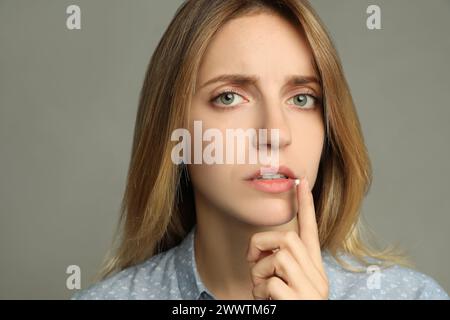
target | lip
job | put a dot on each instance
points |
(274, 185)
(281, 169)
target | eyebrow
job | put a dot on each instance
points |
(242, 79)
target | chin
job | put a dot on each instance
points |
(268, 213)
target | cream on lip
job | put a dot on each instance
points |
(284, 170)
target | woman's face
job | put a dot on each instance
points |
(268, 48)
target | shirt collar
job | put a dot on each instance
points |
(189, 282)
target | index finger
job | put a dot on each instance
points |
(306, 216)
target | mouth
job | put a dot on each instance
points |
(272, 180)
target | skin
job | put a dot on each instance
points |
(251, 244)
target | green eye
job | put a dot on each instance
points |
(228, 99)
(304, 100)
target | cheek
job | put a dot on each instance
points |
(308, 139)
(211, 175)
(212, 181)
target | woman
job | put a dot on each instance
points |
(232, 231)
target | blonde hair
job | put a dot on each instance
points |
(158, 208)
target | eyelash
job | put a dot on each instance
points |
(308, 93)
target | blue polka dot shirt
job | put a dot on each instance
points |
(173, 275)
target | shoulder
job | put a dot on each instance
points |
(375, 282)
(150, 279)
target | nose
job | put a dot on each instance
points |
(273, 117)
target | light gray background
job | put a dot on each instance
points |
(68, 101)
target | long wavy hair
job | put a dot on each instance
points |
(158, 207)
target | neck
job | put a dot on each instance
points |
(221, 244)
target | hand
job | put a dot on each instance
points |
(294, 271)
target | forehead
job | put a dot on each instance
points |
(264, 44)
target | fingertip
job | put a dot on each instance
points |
(302, 183)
